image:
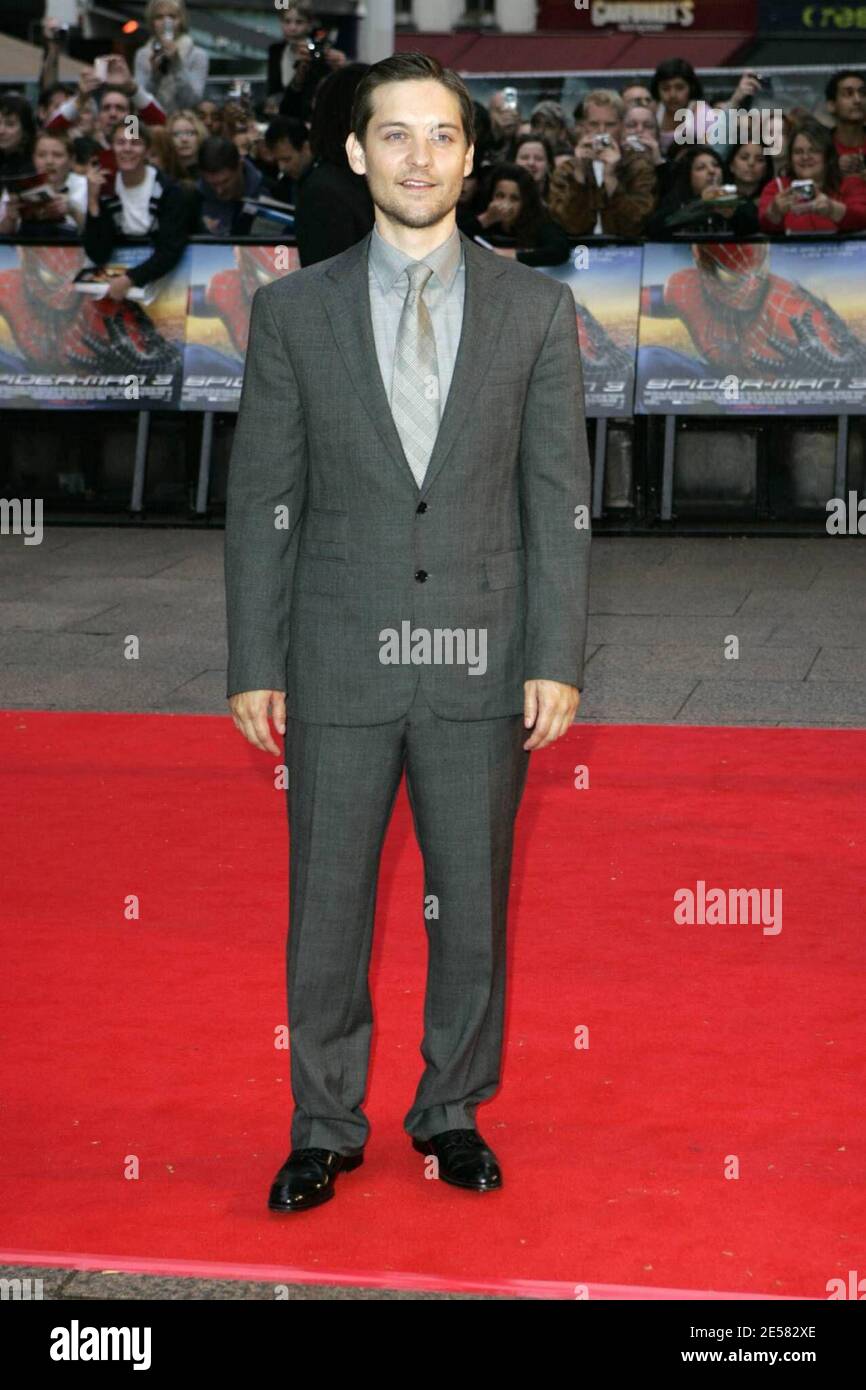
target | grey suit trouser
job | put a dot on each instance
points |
(465, 780)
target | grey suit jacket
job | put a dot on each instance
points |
(330, 544)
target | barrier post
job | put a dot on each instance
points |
(204, 459)
(139, 473)
(840, 477)
(599, 461)
(667, 503)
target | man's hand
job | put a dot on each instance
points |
(551, 707)
(249, 711)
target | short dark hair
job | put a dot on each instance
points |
(111, 89)
(217, 153)
(410, 67)
(290, 128)
(833, 82)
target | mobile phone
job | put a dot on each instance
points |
(100, 67)
(509, 98)
(631, 142)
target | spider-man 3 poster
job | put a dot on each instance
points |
(605, 282)
(60, 347)
(757, 327)
(223, 280)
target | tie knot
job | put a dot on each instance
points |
(419, 273)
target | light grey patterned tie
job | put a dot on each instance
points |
(415, 385)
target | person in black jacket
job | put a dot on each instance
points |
(144, 203)
(333, 207)
(690, 205)
(514, 220)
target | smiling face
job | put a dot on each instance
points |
(130, 154)
(807, 161)
(414, 154)
(532, 157)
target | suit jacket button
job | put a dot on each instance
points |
(420, 575)
(422, 507)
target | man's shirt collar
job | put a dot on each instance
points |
(389, 263)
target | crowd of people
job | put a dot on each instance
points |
(78, 166)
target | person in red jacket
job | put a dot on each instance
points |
(838, 204)
(121, 96)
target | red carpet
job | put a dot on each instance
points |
(150, 1042)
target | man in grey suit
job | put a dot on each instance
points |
(407, 547)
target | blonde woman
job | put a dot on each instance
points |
(187, 131)
(170, 65)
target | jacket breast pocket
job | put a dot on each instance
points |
(325, 533)
(505, 568)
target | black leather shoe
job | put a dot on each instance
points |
(307, 1178)
(464, 1159)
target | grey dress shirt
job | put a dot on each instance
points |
(443, 296)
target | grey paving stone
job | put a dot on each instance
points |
(840, 664)
(819, 702)
(703, 659)
(618, 696)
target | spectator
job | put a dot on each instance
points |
(504, 120)
(295, 22)
(674, 86)
(50, 99)
(225, 184)
(640, 133)
(846, 102)
(839, 204)
(548, 118)
(750, 169)
(287, 142)
(515, 219)
(211, 116)
(17, 134)
(239, 127)
(187, 134)
(65, 213)
(535, 154)
(315, 58)
(602, 111)
(84, 151)
(170, 64)
(615, 198)
(144, 203)
(689, 202)
(562, 151)
(636, 94)
(139, 101)
(333, 209)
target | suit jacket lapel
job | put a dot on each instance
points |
(347, 301)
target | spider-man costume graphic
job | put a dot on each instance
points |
(56, 329)
(228, 294)
(741, 318)
(598, 351)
